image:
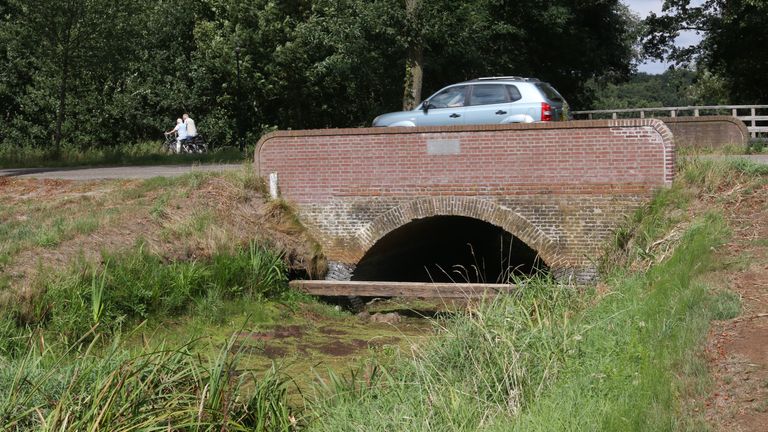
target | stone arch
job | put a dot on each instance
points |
(483, 210)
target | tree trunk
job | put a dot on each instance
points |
(61, 111)
(414, 72)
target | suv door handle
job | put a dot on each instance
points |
(500, 112)
(454, 115)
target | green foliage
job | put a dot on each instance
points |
(138, 285)
(490, 362)
(725, 27)
(675, 87)
(13, 339)
(632, 346)
(94, 73)
(655, 228)
(64, 389)
(757, 146)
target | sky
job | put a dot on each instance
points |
(643, 8)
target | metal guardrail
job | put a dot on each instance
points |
(754, 116)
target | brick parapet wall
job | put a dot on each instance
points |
(708, 132)
(560, 187)
(530, 143)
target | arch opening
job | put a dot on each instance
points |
(448, 249)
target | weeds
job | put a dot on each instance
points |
(158, 389)
(138, 285)
(652, 232)
(726, 305)
(489, 362)
(757, 146)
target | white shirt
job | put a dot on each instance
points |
(181, 130)
(191, 129)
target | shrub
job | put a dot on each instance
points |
(137, 285)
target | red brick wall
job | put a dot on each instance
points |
(570, 182)
(708, 132)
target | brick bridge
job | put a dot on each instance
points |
(557, 190)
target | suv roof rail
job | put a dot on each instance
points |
(516, 78)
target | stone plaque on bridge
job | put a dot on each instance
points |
(443, 146)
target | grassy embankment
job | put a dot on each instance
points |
(144, 153)
(623, 356)
(118, 287)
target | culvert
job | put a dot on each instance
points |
(448, 249)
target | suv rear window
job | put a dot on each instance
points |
(549, 92)
(514, 93)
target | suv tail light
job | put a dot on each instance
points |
(546, 112)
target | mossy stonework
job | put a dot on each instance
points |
(561, 187)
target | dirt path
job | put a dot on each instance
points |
(130, 172)
(737, 349)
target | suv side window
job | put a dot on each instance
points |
(449, 98)
(486, 94)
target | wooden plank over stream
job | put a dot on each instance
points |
(400, 289)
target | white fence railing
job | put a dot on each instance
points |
(754, 116)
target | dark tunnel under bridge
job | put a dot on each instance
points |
(448, 249)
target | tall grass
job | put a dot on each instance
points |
(162, 389)
(651, 232)
(637, 352)
(137, 285)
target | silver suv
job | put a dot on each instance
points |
(488, 100)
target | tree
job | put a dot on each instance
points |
(59, 48)
(675, 87)
(101, 73)
(414, 70)
(566, 42)
(730, 28)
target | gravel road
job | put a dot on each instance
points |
(132, 172)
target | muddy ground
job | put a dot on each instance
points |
(737, 349)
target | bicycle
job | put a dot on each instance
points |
(195, 144)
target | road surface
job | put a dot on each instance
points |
(124, 172)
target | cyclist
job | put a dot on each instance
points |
(181, 133)
(191, 128)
